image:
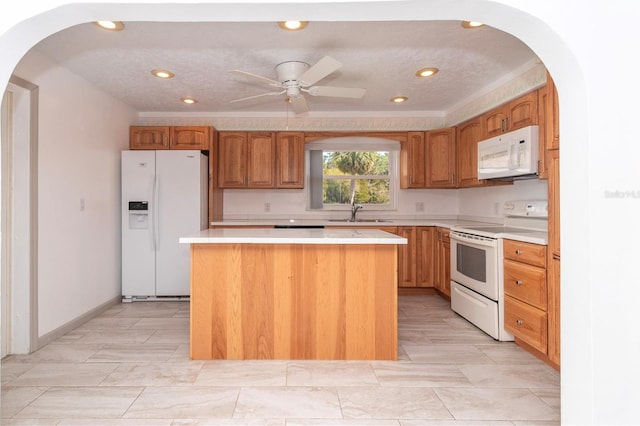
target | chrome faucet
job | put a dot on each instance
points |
(354, 209)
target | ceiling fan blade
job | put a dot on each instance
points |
(338, 92)
(256, 77)
(299, 104)
(320, 70)
(258, 96)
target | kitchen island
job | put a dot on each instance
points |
(327, 294)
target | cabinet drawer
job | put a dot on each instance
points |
(526, 282)
(533, 254)
(526, 322)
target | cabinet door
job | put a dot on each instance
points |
(441, 158)
(149, 137)
(195, 137)
(443, 262)
(526, 323)
(426, 256)
(553, 284)
(232, 161)
(260, 160)
(553, 311)
(413, 161)
(290, 160)
(523, 111)
(469, 134)
(494, 122)
(407, 257)
(549, 137)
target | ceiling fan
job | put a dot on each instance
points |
(297, 77)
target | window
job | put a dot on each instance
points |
(352, 170)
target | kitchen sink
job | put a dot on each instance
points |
(360, 220)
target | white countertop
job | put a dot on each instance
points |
(534, 237)
(446, 223)
(292, 236)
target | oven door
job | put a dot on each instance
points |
(474, 263)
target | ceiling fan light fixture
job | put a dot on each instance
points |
(427, 72)
(188, 101)
(471, 24)
(292, 25)
(163, 74)
(399, 99)
(111, 25)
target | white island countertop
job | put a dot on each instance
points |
(292, 236)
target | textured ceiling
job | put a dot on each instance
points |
(379, 56)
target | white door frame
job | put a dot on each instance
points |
(19, 218)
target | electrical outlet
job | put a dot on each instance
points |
(419, 206)
(496, 209)
(267, 207)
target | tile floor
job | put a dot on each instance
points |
(130, 366)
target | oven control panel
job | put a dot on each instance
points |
(526, 208)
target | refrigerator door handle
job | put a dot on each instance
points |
(154, 213)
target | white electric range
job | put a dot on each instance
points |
(477, 276)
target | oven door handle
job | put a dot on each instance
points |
(478, 241)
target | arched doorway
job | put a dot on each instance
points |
(550, 47)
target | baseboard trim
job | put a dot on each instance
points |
(75, 323)
(413, 291)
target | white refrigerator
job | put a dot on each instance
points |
(164, 197)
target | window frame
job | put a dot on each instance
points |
(354, 144)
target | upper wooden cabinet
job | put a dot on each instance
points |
(441, 158)
(413, 161)
(170, 137)
(548, 120)
(261, 160)
(246, 159)
(290, 160)
(468, 136)
(520, 112)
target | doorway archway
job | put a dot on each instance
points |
(541, 38)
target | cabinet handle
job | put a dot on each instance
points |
(518, 282)
(410, 179)
(518, 251)
(506, 124)
(519, 322)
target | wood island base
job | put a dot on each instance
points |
(294, 301)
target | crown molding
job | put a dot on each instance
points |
(372, 123)
(527, 78)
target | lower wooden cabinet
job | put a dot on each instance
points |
(526, 323)
(407, 259)
(526, 295)
(443, 262)
(416, 260)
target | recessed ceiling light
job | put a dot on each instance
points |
(471, 24)
(188, 101)
(427, 72)
(292, 25)
(398, 99)
(163, 74)
(111, 25)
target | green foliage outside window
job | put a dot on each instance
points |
(356, 176)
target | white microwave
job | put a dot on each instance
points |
(510, 154)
